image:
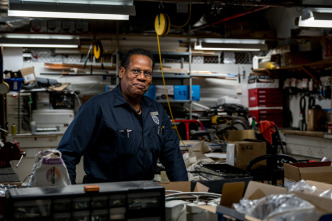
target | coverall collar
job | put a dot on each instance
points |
(120, 100)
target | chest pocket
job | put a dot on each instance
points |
(126, 143)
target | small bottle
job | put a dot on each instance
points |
(253, 123)
(14, 129)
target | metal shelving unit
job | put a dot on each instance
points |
(177, 74)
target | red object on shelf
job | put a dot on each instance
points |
(187, 122)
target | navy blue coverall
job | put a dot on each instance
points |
(120, 145)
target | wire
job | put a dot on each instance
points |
(27, 177)
(181, 212)
(312, 102)
(181, 26)
(78, 99)
(180, 198)
(194, 193)
(169, 106)
(173, 191)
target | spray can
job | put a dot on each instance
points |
(14, 131)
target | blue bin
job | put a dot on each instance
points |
(195, 92)
(181, 92)
(15, 84)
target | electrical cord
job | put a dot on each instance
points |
(181, 26)
(194, 193)
(78, 100)
(180, 198)
(169, 106)
(312, 102)
(191, 195)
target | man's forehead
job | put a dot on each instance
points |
(134, 59)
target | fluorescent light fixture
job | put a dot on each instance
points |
(38, 43)
(38, 36)
(316, 17)
(38, 14)
(16, 45)
(231, 45)
(105, 10)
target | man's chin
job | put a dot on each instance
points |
(140, 93)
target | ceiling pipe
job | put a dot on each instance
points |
(230, 18)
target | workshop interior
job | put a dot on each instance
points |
(246, 85)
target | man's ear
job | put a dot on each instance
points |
(122, 72)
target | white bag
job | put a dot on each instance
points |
(49, 170)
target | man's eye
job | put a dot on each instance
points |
(147, 73)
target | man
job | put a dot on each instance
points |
(123, 133)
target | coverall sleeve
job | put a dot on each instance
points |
(171, 156)
(79, 136)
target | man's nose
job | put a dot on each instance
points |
(141, 76)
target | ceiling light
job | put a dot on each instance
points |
(105, 10)
(231, 45)
(38, 36)
(316, 17)
(38, 43)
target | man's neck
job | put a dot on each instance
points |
(134, 102)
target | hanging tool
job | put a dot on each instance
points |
(238, 75)
(98, 52)
(312, 102)
(162, 24)
(302, 121)
(87, 56)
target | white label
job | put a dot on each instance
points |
(29, 77)
(230, 154)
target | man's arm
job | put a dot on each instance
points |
(78, 137)
(171, 156)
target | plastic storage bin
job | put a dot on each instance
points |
(181, 92)
(15, 84)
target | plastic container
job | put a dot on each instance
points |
(181, 92)
(15, 84)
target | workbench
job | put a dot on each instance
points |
(308, 144)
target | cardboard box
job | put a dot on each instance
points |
(28, 74)
(316, 120)
(240, 135)
(243, 147)
(316, 171)
(257, 190)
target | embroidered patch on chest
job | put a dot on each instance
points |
(155, 119)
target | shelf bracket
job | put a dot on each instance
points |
(305, 69)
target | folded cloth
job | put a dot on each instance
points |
(266, 128)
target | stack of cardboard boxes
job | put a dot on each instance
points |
(243, 147)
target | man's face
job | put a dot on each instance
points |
(137, 77)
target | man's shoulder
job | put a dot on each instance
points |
(151, 102)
